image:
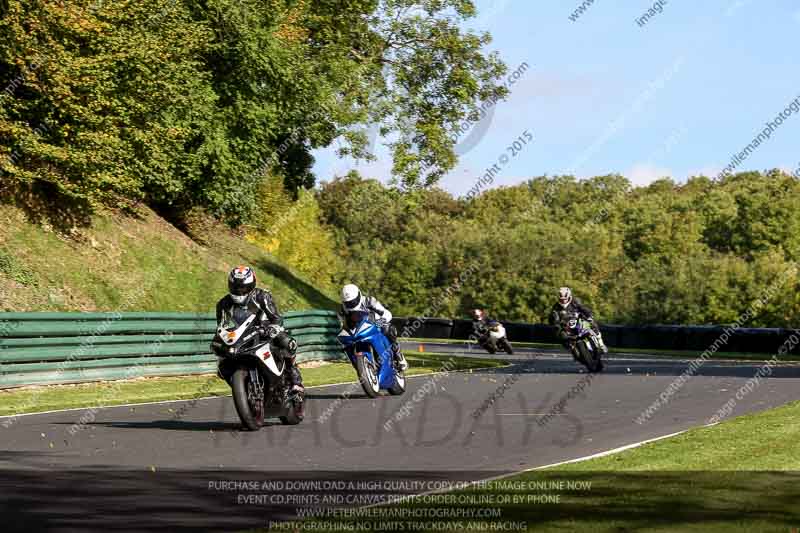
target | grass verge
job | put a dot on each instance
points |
(48, 398)
(742, 475)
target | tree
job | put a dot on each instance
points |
(186, 105)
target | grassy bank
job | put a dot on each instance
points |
(134, 263)
(37, 399)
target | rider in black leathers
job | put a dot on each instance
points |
(481, 324)
(567, 306)
(244, 294)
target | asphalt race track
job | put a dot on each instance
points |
(137, 468)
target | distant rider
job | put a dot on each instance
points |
(243, 295)
(480, 325)
(353, 300)
(570, 306)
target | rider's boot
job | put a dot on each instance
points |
(297, 389)
(399, 358)
(601, 343)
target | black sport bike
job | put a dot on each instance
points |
(257, 375)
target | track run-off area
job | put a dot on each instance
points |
(182, 465)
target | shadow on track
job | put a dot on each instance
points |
(340, 396)
(176, 425)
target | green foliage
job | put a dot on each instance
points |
(190, 104)
(134, 263)
(15, 271)
(291, 231)
(698, 253)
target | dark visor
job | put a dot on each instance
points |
(241, 290)
(352, 304)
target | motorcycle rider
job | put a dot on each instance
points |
(353, 300)
(568, 305)
(480, 325)
(481, 328)
(243, 294)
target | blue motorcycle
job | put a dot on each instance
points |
(583, 344)
(370, 352)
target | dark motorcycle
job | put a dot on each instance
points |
(491, 336)
(258, 376)
(582, 342)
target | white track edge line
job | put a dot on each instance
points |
(466, 485)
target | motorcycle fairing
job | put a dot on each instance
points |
(357, 341)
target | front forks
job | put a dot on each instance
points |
(256, 392)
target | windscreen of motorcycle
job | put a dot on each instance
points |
(234, 317)
(234, 323)
(353, 319)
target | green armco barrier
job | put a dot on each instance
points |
(53, 348)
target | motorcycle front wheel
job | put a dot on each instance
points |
(591, 358)
(368, 376)
(250, 410)
(399, 386)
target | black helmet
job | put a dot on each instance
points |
(241, 282)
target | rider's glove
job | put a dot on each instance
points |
(272, 331)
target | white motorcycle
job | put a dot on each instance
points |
(493, 338)
(257, 376)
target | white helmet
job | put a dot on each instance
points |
(564, 296)
(351, 297)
